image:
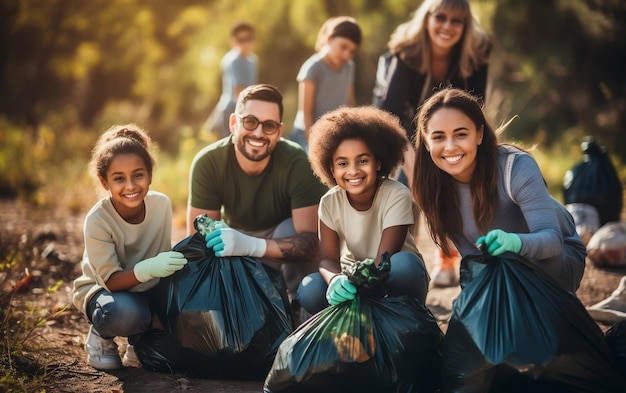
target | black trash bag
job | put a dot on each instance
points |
(513, 329)
(616, 340)
(159, 350)
(221, 317)
(370, 344)
(594, 182)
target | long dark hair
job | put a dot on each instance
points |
(434, 190)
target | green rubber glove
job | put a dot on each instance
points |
(340, 290)
(163, 265)
(498, 242)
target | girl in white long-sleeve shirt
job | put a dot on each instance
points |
(127, 242)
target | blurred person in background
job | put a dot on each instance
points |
(239, 68)
(326, 79)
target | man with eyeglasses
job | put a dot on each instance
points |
(262, 186)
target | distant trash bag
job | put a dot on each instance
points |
(616, 340)
(594, 181)
(586, 219)
(607, 247)
(222, 317)
(370, 344)
(513, 329)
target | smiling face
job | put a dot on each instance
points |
(255, 146)
(452, 140)
(355, 168)
(128, 181)
(445, 28)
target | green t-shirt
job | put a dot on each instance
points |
(252, 203)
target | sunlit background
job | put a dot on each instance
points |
(69, 69)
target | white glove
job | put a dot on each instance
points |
(163, 265)
(227, 242)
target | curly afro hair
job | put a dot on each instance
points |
(380, 130)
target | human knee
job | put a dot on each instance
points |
(408, 265)
(408, 276)
(311, 293)
(284, 229)
(123, 317)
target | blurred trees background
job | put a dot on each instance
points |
(72, 68)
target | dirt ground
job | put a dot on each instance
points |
(57, 347)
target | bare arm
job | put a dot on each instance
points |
(306, 103)
(329, 253)
(351, 97)
(122, 280)
(193, 212)
(409, 164)
(304, 245)
(392, 240)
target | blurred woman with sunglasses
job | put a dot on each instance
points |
(442, 45)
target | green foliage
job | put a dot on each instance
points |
(555, 81)
(30, 158)
(71, 69)
(158, 66)
(172, 174)
(20, 154)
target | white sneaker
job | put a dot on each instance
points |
(613, 308)
(130, 358)
(102, 353)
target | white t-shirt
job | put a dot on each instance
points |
(360, 231)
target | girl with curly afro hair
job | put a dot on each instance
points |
(364, 213)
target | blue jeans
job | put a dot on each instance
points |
(122, 314)
(408, 276)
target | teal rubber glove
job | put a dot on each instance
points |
(340, 290)
(227, 242)
(163, 265)
(498, 242)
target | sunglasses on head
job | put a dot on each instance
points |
(250, 123)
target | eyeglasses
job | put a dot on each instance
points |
(251, 123)
(442, 18)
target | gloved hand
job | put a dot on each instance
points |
(498, 242)
(163, 265)
(227, 242)
(340, 290)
